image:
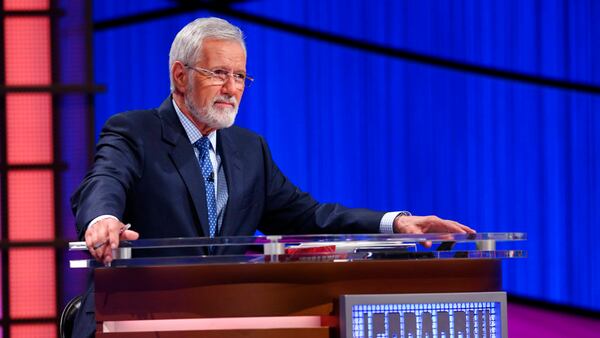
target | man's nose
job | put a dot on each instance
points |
(230, 87)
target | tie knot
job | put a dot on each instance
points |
(203, 144)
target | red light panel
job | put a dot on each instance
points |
(31, 205)
(27, 50)
(14, 5)
(32, 283)
(33, 330)
(29, 128)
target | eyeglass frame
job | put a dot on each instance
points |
(246, 81)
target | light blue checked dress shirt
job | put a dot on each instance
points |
(220, 184)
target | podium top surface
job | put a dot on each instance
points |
(293, 248)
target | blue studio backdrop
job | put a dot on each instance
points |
(368, 130)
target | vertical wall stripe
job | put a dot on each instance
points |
(28, 140)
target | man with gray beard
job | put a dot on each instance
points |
(184, 170)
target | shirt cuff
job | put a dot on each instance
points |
(386, 225)
(101, 217)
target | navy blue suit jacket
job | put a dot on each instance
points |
(146, 173)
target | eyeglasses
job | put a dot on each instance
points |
(220, 76)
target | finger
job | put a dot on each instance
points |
(113, 235)
(90, 241)
(90, 237)
(466, 228)
(107, 254)
(442, 225)
(102, 231)
(100, 240)
(99, 252)
(428, 224)
(455, 226)
(129, 235)
(93, 252)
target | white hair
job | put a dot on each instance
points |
(187, 45)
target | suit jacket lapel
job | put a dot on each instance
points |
(183, 156)
(232, 164)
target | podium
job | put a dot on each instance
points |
(284, 286)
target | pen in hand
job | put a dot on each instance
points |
(123, 229)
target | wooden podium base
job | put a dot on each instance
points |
(291, 289)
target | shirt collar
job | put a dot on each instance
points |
(191, 130)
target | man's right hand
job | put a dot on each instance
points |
(104, 236)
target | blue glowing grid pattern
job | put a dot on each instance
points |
(449, 320)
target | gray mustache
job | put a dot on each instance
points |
(226, 99)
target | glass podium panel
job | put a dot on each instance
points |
(307, 248)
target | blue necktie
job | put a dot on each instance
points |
(203, 146)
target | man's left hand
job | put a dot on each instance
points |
(425, 224)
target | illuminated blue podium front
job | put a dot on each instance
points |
(451, 315)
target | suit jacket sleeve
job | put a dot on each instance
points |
(117, 164)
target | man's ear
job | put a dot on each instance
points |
(180, 80)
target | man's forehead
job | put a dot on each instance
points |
(229, 51)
